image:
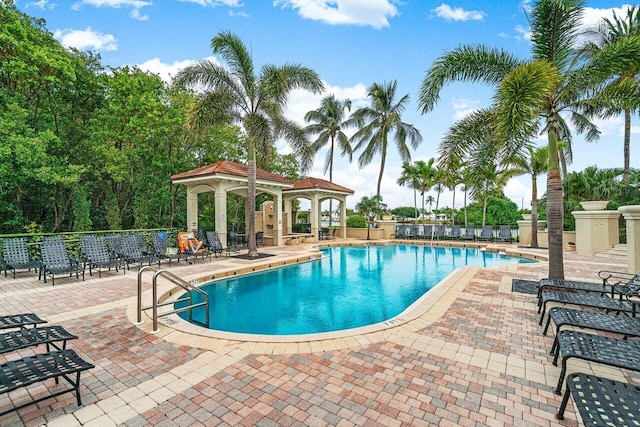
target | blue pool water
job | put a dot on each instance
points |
(347, 288)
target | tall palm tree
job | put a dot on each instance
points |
(409, 176)
(608, 32)
(377, 121)
(369, 207)
(533, 93)
(329, 124)
(256, 101)
(427, 173)
(451, 178)
(533, 163)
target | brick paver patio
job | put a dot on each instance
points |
(472, 355)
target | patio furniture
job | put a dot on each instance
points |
(215, 243)
(132, 252)
(260, 237)
(190, 247)
(30, 337)
(623, 304)
(20, 373)
(454, 233)
(586, 319)
(438, 232)
(609, 281)
(424, 232)
(597, 349)
(15, 256)
(504, 234)
(601, 401)
(161, 249)
(469, 234)
(97, 255)
(20, 320)
(486, 233)
(56, 260)
(323, 234)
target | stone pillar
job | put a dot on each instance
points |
(220, 201)
(388, 226)
(288, 205)
(315, 215)
(343, 217)
(277, 220)
(596, 231)
(192, 209)
(524, 231)
(632, 217)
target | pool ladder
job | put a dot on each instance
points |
(189, 288)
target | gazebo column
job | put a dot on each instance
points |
(288, 206)
(277, 220)
(632, 217)
(192, 209)
(315, 217)
(220, 201)
(343, 217)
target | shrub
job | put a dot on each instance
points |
(357, 221)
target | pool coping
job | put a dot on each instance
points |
(427, 309)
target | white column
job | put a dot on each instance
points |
(288, 205)
(315, 217)
(632, 217)
(596, 231)
(192, 209)
(343, 217)
(220, 201)
(277, 220)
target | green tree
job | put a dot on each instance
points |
(409, 177)
(329, 124)
(537, 90)
(370, 207)
(256, 101)
(377, 121)
(534, 163)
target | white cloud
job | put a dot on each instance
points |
(523, 33)
(165, 71)
(374, 13)
(592, 16)
(42, 4)
(135, 5)
(213, 3)
(86, 39)
(457, 13)
(463, 107)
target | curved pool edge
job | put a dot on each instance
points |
(427, 309)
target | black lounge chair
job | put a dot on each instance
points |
(595, 348)
(486, 233)
(323, 234)
(610, 279)
(627, 302)
(30, 337)
(15, 256)
(504, 234)
(586, 319)
(469, 234)
(20, 373)
(161, 249)
(56, 260)
(454, 233)
(424, 232)
(215, 243)
(411, 232)
(96, 255)
(20, 321)
(133, 253)
(601, 401)
(437, 232)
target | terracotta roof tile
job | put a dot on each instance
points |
(317, 183)
(226, 167)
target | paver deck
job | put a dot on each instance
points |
(471, 354)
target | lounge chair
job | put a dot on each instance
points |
(469, 233)
(587, 319)
(454, 233)
(486, 233)
(161, 249)
(133, 253)
(56, 260)
(24, 338)
(424, 232)
(215, 243)
(97, 255)
(20, 321)
(15, 256)
(323, 234)
(20, 373)
(189, 246)
(504, 234)
(625, 302)
(596, 349)
(601, 401)
(610, 279)
(438, 232)
(260, 237)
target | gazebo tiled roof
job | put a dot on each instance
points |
(226, 167)
(310, 183)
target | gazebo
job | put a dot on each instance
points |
(230, 177)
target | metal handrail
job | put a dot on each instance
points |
(187, 287)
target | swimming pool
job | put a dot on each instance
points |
(347, 288)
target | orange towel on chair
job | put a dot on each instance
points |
(188, 243)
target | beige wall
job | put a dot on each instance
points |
(361, 233)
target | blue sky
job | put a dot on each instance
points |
(350, 43)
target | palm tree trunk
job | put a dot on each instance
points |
(484, 204)
(415, 202)
(251, 198)
(453, 207)
(555, 209)
(382, 160)
(330, 179)
(534, 211)
(465, 206)
(627, 141)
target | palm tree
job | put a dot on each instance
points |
(426, 176)
(451, 178)
(375, 122)
(607, 33)
(256, 101)
(329, 124)
(369, 207)
(534, 164)
(409, 176)
(430, 200)
(533, 93)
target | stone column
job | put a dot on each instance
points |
(632, 217)
(220, 200)
(343, 217)
(315, 215)
(277, 220)
(192, 209)
(288, 204)
(525, 229)
(596, 231)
